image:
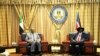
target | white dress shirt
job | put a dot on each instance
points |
(32, 37)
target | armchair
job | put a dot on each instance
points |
(87, 44)
(23, 45)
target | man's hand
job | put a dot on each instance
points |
(30, 41)
(34, 41)
(82, 40)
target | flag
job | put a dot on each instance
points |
(78, 24)
(21, 26)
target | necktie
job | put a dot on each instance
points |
(33, 37)
(78, 37)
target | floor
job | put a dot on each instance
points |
(57, 55)
(53, 54)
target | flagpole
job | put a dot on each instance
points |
(78, 23)
(24, 16)
(77, 5)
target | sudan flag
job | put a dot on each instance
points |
(21, 26)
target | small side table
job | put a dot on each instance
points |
(11, 47)
(55, 48)
(97, 50)
(15, 55)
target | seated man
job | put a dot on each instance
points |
(34, 40)
(77, 41)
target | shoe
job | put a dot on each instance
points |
(32, 55)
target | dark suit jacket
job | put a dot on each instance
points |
(84, 37)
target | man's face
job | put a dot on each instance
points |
(32, 31)
(80, 30)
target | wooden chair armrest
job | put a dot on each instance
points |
(66, 43)
(88, 43)
(22, 43)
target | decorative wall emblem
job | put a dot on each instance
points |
(58, 14)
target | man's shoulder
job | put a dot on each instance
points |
(27, 33)
(72, 33)
(35, 33)
(85, 32)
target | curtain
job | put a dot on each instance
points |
(38, 17)
(89, 17)
(8, 25)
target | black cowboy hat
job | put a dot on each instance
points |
(80, 28)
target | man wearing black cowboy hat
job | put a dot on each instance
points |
(77, 41)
